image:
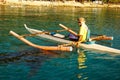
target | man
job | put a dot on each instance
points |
(83, 30)
(82, 36)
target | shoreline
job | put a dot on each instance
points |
(60, 4)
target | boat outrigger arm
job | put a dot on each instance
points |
(61, 48)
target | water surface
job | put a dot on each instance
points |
(22, 62)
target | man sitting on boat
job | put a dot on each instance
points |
(84, 33)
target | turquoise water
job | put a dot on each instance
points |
(19, 61)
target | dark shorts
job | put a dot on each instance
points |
(72, 37)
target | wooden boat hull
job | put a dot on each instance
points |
(93, 47)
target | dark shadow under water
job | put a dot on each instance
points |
(31, 55)
(33, 58)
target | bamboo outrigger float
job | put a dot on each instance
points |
(61, 48)
(46, 35)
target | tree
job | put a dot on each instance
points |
(81, 1)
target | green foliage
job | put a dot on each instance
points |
(112, 1)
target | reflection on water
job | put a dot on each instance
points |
(81, 60)
(81, 64)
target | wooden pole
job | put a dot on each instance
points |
(61, 48)
(68, 29)
(71, 31)
(104, 37)
(98, 38)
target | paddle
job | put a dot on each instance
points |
(74, 33)
(98, 38)
(68, 29)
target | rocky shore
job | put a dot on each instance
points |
(59, 3)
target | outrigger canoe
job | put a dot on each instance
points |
(93, 47)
